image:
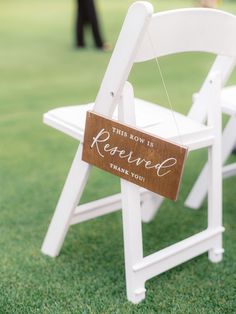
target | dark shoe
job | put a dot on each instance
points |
(79, 45)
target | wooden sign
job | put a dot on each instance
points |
(133, 155)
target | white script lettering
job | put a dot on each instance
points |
(100, 142)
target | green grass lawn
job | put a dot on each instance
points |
(39, 70)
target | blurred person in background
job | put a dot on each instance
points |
(209, 3)
(86, 15)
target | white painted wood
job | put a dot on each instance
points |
(65, 119)
(199, 189)
(150, 117)
(67, 203)
(228, 96)
(150, 205)
(96, 209)
(229, 170)
(215, 165)
(224, 65)
(131, 211)
(102, 207)
(198, 112)
(132, 232)
(187, 30)
(182, 23)
(69, 120)
(133, 29)
(177, 254)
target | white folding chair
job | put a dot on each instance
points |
(145, 36)
(228, 107)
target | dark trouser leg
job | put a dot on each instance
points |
(80, 22)
(94, 23)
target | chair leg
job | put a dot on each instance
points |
(215, 254)
(150, 205)
(68, 200)
(133, 247)
(199, 190)
(131, 211)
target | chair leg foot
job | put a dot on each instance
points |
(137, 295)
(216, 255)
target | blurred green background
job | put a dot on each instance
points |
(40, 69)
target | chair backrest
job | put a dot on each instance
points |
(225, 66)
(188, 30)
(145, 35)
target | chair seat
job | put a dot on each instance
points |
(228, 99)
(150, 117)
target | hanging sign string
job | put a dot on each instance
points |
(128, 152)
(165, 89)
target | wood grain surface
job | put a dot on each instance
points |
(134, 155)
